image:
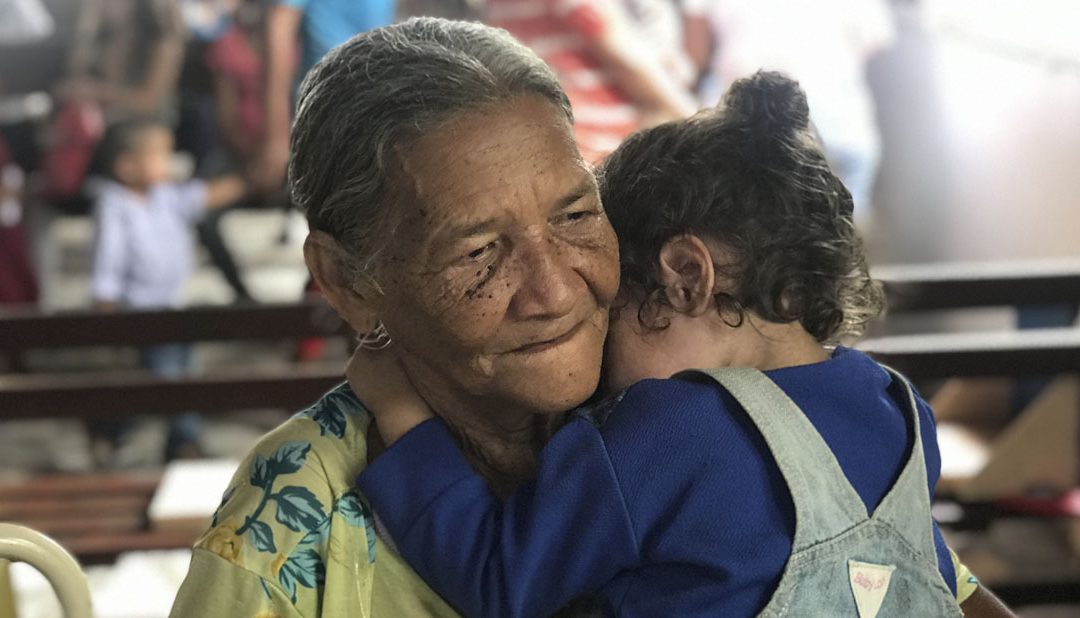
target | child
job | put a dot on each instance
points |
(142, 253)
(235, 59)
(723, 492)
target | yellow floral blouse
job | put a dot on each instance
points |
(292, 538)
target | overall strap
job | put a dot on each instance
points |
(907, 505)
(826, 504)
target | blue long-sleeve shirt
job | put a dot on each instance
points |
(665, 502)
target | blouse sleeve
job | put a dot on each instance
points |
(217, 588)
(966, 582)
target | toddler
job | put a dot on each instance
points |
(142, 251)
(788, 476)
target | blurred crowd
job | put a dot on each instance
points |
(220, 76)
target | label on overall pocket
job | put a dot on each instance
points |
(869, 583)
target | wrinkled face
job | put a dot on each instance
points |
(503, 265)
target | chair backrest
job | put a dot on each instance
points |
(21, 544)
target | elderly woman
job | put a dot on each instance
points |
(451, 214)
(452, 217)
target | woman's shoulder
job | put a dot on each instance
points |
(293, 493)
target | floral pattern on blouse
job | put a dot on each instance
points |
(292, 536)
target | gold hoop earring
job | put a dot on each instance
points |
(377, 339)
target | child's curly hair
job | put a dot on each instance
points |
(751, 175)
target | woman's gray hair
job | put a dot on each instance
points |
(378, 91)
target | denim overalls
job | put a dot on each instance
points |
(844, 562)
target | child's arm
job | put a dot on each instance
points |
(975, 600)
(225, 191)
(983, 604)
(556, 538)
(109, 257)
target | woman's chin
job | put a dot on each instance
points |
(556, 379)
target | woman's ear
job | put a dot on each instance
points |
(325, 259)
(688, 274)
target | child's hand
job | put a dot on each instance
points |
(377, 378)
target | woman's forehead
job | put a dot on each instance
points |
(511, 155)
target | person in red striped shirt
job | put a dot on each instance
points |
(615, 81)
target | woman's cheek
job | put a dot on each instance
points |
(599, 252)
(474, 301)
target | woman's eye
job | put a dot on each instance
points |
(577, 215)
(478, 253)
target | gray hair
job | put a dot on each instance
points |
(377, 91)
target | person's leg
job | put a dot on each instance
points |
(171, 360)
(196, 131)
(197, 135)
(209, 233)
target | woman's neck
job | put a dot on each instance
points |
(499, 438)
(504, 458)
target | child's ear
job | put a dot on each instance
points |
(688, 274)
(325, 260)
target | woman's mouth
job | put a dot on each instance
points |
(542, 346)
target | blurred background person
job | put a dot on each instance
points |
(123, 63)
(142, 252)
(448, 9)
(824, 45)
(221, 116)
(24, 22)
(126, 58)
(235, 63)
(661, 24)
(315, 26)
(18, 281)
(615, 79)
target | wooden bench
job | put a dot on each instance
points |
(96, 394)
(109, 395)
(27, 329)
(926, 287)
(94, 516)
(97, 516)
(1012, 353)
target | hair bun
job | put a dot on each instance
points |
(770, 106)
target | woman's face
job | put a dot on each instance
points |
(503, 265)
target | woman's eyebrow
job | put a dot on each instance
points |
(471, 229)
(584, 188)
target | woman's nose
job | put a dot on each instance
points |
(550, 287)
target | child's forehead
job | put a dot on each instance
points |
(153, 136)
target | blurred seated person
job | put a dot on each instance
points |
(615, 83)
(143, 253)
